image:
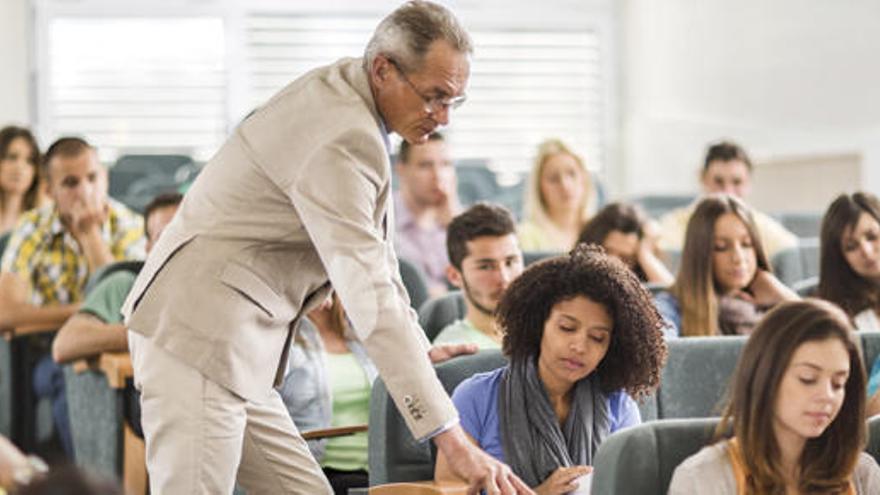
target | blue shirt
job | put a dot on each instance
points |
(669, 308)
(874, 378)
(477, 402)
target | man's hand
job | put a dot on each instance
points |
(480, 470)
(87, 216)
(441, 353)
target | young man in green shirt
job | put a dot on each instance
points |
(485, 258)
(97, 326)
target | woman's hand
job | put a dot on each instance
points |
(562, 480)
(768, 291)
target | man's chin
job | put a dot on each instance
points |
(416, 138)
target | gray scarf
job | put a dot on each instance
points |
(534, 444)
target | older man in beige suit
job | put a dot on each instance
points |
(297, 199)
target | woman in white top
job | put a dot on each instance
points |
(795, 422)
(849, 272)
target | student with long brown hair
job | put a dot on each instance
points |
(625, 231)
(19, 175)
(849, 269)
(724, 282)
(795, 420)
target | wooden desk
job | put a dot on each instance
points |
(420, 488)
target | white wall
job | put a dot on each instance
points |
(788, 77)
(15, 37)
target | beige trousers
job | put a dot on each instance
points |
(200, 436)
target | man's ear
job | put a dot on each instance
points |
(454, 276)
(380, 69)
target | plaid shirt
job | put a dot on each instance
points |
(48, 258)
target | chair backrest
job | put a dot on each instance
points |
(129, 169)
(95, 413)
(435, 314)
(5, 369)
(394, 455)
(809, 250)
(873, 446)
(802, 224)
(696, 375)
(642, 459)
(100, 274)
(870, 348)
(476, 182)
(530, 257)
(807, 287)
(788, 266)
(413, 279)
(4, 240)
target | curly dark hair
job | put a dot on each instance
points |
(637, 350)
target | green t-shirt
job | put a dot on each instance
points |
(462, 332)
(351, 406)
(106, 299)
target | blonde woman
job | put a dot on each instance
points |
(559, 199)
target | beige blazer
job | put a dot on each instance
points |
(297, 197)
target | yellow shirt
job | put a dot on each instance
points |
(534, 238)
(46, 256)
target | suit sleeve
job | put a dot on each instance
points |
(336, 196)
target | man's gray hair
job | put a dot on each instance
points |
(407, 33)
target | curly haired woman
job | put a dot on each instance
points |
(583, 339)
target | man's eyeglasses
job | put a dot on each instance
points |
(434, 104)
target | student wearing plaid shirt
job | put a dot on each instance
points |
(54, 249)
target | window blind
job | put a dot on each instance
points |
(138, 84)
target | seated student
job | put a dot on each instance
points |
(53, 250)
(849, 269)
(583, 338)
(97, 327)
(559, 199)
(19, 175)
(327, 385)
(485, 258)
(726, 169)
(795, 421)
(626, 232)
(424, 206)
(724, 282)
